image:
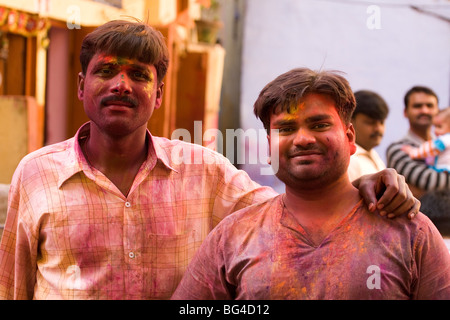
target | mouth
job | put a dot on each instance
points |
(118, 102)
(376, 136)
(424, 117)
(304, 154)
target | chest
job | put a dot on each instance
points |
(357, 268)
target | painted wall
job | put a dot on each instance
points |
(387, 48)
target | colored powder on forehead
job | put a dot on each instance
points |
(122, 60)
(294, 108)
(106, 58)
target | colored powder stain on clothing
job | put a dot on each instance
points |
(370, 260)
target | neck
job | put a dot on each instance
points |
(322, 202)
(365, 147)
(320, 211)
(119, 159)
(424, 133)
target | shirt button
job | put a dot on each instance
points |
(131, 255)
(127, 204)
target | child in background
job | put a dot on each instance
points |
(438, 149)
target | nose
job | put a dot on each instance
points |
(303, 137)
(121, 84)
(379, 126)
(424, 108)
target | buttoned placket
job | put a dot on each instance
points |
(132, 232)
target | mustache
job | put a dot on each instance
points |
(376, 134)
(425, 116)
(300, 151)
(125, 99)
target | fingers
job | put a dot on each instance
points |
(367, 192)
(402, 201)
(394, 196)
(394, 191)
(414, 210)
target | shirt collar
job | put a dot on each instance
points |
(361, 150)
(76, 161)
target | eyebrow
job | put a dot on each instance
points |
(312, 119)
(418, 104)
(117, 63)
(283, 122)
(319, 117)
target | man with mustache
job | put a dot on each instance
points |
(112, 213)
(317, 240)
(368, 120)
(421, 105)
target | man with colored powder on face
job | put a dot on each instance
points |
(113, 213)
(316, 241)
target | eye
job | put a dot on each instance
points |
(139, 75)
(286, 130)
(104, 72)
(320, 126)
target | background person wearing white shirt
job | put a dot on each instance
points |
(368, 120)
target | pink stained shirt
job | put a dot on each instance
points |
(262, 253)
(71, 234)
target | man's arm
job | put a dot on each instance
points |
(204, 278)
(387, 192)
(17, 261)
(416, 173)
(432, 261)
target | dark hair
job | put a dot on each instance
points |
(370, 104)
(135, 40)
(436, 205)
(416, 89)
(288, 89)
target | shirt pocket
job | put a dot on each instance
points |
(168, 257)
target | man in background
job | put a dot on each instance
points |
(368, 120)
(421, 105)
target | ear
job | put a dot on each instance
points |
(159, 95)
(80, 86)
(351, 136)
